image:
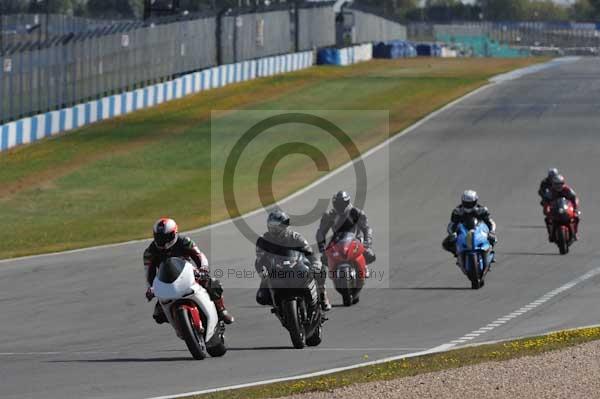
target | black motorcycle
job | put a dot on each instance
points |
(294, 296)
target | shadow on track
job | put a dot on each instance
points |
(526, 226)
(126, 360)
(262, 348)
(531, 253)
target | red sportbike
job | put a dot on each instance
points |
(347, 266)
(563, 217)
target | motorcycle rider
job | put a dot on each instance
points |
(280, 235)
(469, 207)
(345, 217)
(558, 190)
(168, 243)
(546, 186)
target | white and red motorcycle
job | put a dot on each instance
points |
(189, 309)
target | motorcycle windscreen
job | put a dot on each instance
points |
(174, 279)
(290, 269)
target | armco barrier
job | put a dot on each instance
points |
(28, 130)
(345, 56)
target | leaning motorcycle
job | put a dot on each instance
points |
(294, 296)
(563, 217)
(189, 309)
(348, 267)
(474, 251)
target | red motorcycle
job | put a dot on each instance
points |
(347, 266)
(562, 216)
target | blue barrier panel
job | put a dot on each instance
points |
(423, 50)
(329, 56)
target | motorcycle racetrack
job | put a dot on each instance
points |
(76, 325)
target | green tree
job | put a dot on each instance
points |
(546, 10)
(582, 10)
(503, 10)
(113, 8)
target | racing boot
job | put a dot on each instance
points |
(224, 315)
(324, 300)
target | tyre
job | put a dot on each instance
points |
(292, 321)
(347, 298)
(193, 339)
(563, 242)
(316, 338)
(219, 349)
(474, 272)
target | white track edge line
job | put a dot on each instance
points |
(437, 349)
(493, 81)
(532, 305)
(336, 171)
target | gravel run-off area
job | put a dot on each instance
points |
(569, 373)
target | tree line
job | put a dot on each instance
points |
(489, 10)
(406, 10)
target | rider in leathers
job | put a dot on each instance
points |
(560, 189)
(344, 217)
(168, 243)
(545, 190)
(468, 208)
(279, 235)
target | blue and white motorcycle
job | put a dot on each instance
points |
(474, 252)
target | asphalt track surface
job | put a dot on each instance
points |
(77, 325)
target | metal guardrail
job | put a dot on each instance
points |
(42, 72)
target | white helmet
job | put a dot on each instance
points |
(469, 199)
(552, 172)
(165, 233)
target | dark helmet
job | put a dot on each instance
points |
(552, 172)
(341, 202)
(558, 182)
(165, 233)
(469, 199)
(278, 222)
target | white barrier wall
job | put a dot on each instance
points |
(354, 54)
(52, 123)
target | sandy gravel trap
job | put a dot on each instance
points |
(568, 373)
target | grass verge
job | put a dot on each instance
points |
(417, 365)
(71, 191)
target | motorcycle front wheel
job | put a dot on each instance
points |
(293, 324)
(193, 339)
(563, 241)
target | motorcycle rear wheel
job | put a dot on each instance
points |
(316, 338)
(347, 298)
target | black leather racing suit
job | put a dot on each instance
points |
(355, 221)
(271, 243)
(459, 215)
(186, 249)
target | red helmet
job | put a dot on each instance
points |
(165, 233)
